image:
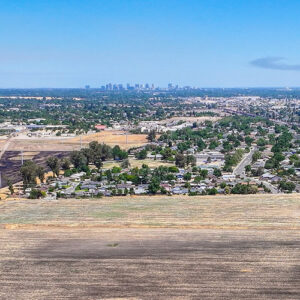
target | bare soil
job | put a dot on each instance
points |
(235, 247)
(149, 264)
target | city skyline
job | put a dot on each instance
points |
(199, 43)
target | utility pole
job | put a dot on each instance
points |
(22, 158)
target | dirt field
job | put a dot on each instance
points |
(109, 137)
(151, 248)
(114, 137)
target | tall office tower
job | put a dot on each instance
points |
(115, 87)
(109, 87)
(152, 86)
(147, 86)
(103, 87)
(120, 87)
(136, 86)
(128, 86)
(87, 86)
(170, 86)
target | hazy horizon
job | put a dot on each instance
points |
(207, 44)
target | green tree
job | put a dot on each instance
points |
(36, 194)
(180, 160)
(187, 176)
(125, 163)
(78, 159)
(191, 160)
(11, 188)
(151, 136)
(248, 140)
(256, 155)
(40, 172)
(28, 173)
(287, 186)
(65, 163)
(154, 185)
(141, 154)
(248, 168)
(54, 164)
(212, 191)
(217, 172)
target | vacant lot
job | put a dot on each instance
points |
(178, 248)
(109, 137)
(237, 212)
(114, 137)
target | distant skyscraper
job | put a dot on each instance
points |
(170, 86)
(128, 86)
(87, 86)
(147, 86)
(152, 86)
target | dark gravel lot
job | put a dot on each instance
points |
(95, 263)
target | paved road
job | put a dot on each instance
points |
(6, 145)
(270, 186)
(239, 170)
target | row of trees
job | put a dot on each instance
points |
(95, 154)
(232, 160)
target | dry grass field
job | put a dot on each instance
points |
(114, 137)
(109, 137)
(225, 247)
(219, 212)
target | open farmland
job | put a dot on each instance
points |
(151, 248)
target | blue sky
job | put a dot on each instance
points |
(209, 43)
